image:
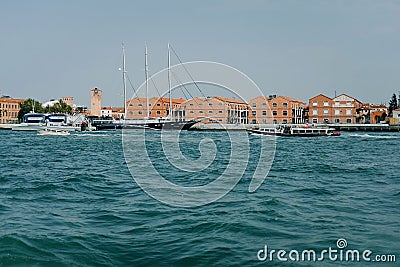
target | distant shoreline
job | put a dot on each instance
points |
(231, 127)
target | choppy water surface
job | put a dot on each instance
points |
(71, 201)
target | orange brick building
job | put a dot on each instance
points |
(158, 107)
(276, 109)
(320, 109)
(341, 109)
(214, 110)
(9, 108)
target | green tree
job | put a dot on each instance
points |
(393, 104)
(59, 107)
(28, 106)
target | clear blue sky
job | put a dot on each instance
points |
(295, 48)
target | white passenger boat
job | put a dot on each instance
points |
(31, 122)
(38, 121)
(302, 131)
(53, 132)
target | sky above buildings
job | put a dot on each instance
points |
(55, 48)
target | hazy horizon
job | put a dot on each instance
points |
(299, 49)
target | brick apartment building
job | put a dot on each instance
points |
(158, 107)
(276, 109)
(9, 108)
(214, 110)
(341, 109)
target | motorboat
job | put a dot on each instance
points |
(48, 131)
(290, 130)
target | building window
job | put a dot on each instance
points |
(264, 105)
(210, 111)
(315, 104)
(337, 103)
(348, 120)
(191, 111)
(315, 120)
(140, 105)
(326, 104)
(275, 121)
(219, 104)
(285, 121)
(200, 104)
(210, 104)
(337, 112)
(253, 121)
(158, 112)
(264, 121)
(191, 104)
(140, 113)
(220, 111)
(285, 105)
(254, 105)
(348, 103)
(130, 112)
(264, 113)
(348, 112)
(315, 112)
(200, 111)
(275, 113)
(274, 105)
(284, 113)
(337, 120)
(326, 111)
(254, 113)
(131, 105)
(158, 104)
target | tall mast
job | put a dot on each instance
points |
(169, 83)
(147, 83)
(124, 77)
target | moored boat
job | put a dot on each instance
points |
(162, 123)
(39, 121)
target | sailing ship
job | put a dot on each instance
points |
(147, 123)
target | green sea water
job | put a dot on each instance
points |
(71, 201)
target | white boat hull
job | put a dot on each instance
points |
(25, 127)
(296, 131)
(53, 132)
